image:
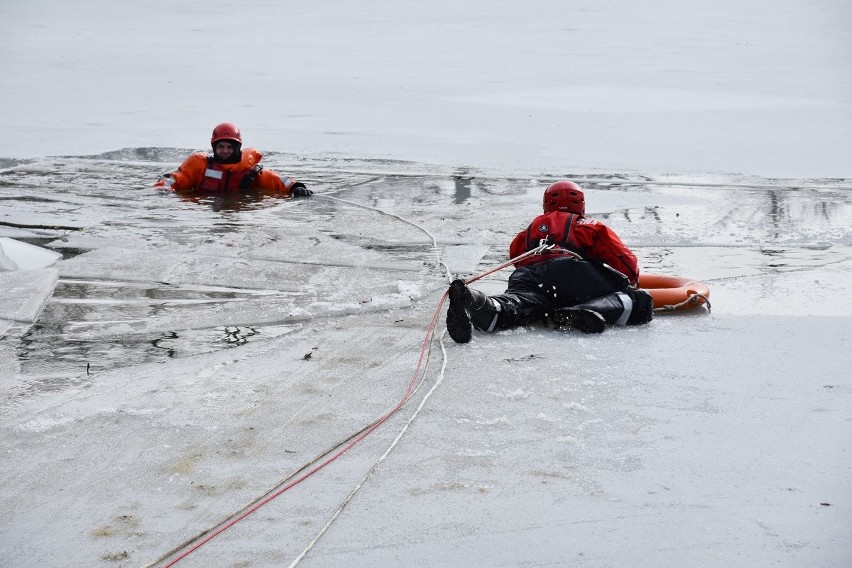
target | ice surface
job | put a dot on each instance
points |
(25, 292)
(204, 351)
(197, 352)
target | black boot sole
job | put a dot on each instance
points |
(458, 321)
(580, 319)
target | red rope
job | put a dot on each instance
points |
(430, 331)
(508, 263)
(423, 350)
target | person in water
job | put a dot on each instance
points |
(586, 280)
(229, 169)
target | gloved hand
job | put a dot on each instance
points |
(299, 190)
(250, 177)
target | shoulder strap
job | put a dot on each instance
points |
(566, 232)
(528, 246)
(534, 235)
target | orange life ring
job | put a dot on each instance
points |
(674, 293)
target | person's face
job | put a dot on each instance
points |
(224, 149)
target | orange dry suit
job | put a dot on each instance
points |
(201, 173)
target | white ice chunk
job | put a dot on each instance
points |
(25, 292)
(463, 258)
(18, 255)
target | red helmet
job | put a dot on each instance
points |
(564, 196)
(226, 131)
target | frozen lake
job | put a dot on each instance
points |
(188, 361)
(203, 349)
(128, 294)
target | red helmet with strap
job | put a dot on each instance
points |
(226, 131)
(564, 196)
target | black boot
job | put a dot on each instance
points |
(593, 315)
(468, 306)
(458, 322)
(587, 321)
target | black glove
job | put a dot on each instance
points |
(299, 190)
(250, 177)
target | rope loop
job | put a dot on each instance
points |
(692, 299)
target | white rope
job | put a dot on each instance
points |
(395, 216)
(174, 551)
(382, 458)
(411, 419)
(328, 451)
(426, 397)
(512, 261)
(402, 432)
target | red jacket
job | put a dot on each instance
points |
(589, 238)
(200, 173)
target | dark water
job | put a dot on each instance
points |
(66, 335)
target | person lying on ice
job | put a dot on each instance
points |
(586, 280)
(229, 169)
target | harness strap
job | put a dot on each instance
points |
(563, 243)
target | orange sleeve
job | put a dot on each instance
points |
(272, 181)
(267, 180)
(188, 175)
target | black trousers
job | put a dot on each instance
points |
(538, 290)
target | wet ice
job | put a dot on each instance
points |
(152, 275)
(704, 439)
